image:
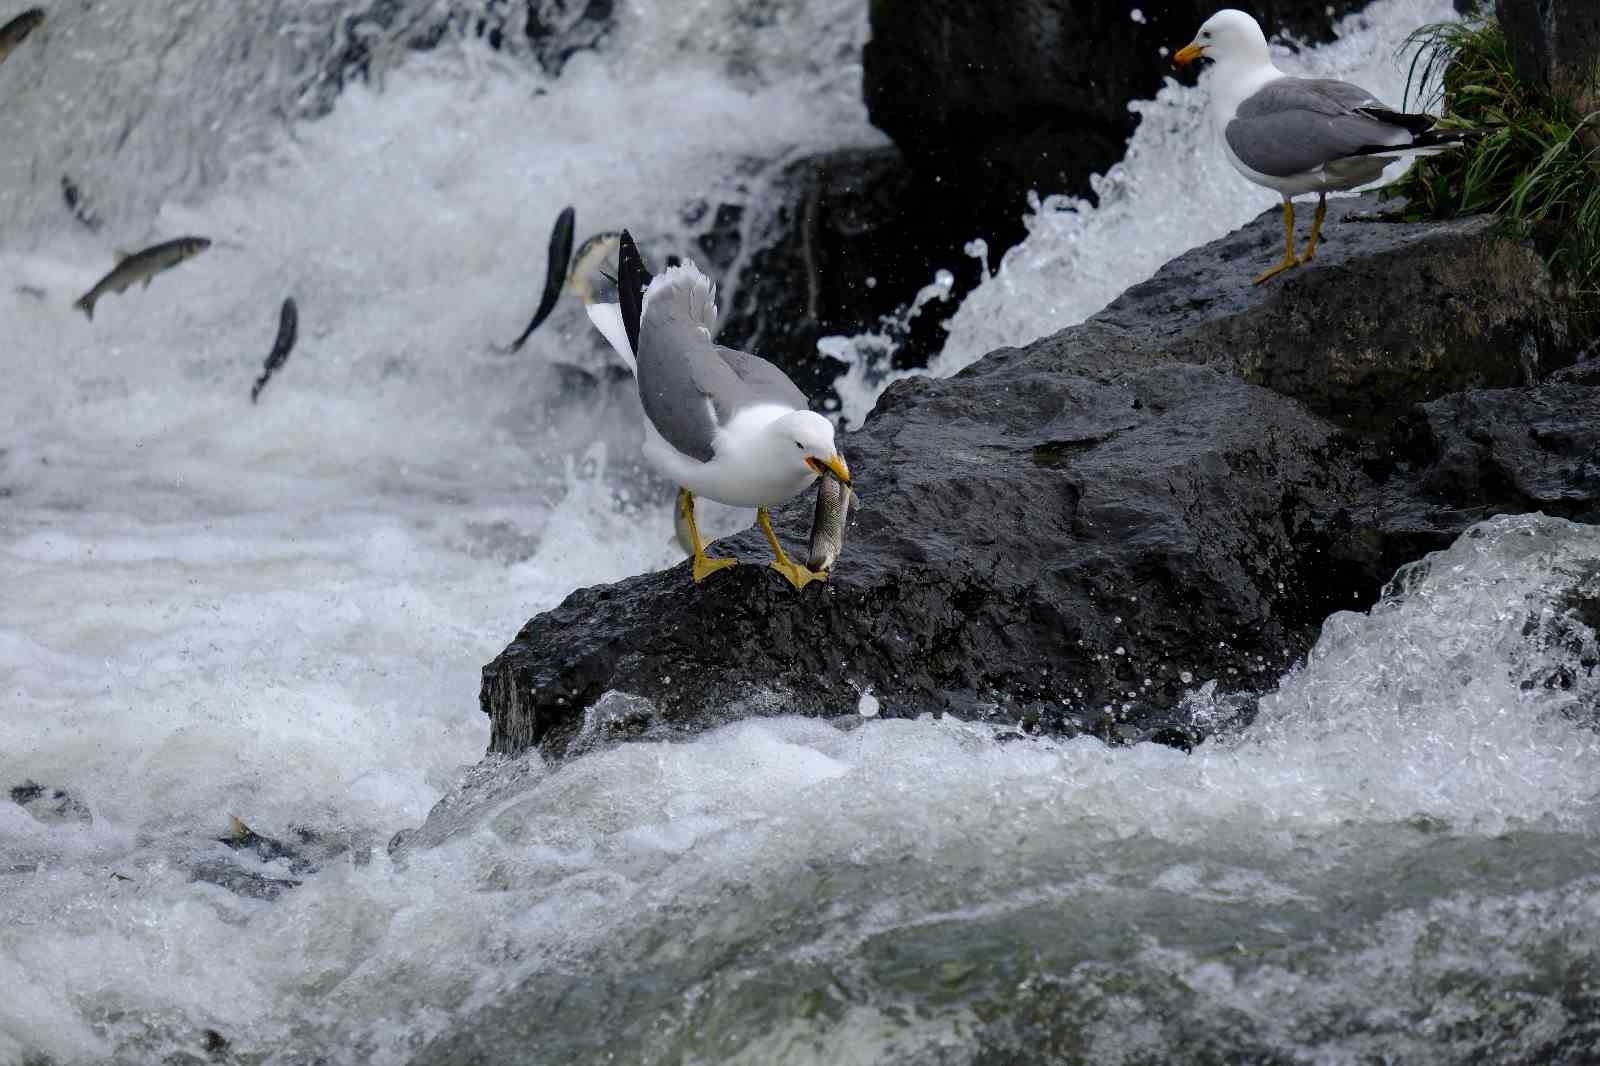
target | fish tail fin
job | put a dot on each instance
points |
(86, 305)
(607, 318)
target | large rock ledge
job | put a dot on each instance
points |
(1077, 534)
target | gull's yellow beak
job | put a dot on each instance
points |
(834, 468)
(1187, 54)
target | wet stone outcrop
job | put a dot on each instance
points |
(848, 241)
(1556, 45)
(1391, 315)
(1082, 534)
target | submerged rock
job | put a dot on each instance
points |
(1079, 534)
(262, 861)
(52, 806)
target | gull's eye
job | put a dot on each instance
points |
(1205, 34)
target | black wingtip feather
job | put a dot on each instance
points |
(632, 279)
(1409, 123)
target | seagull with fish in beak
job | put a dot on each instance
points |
(1301, 135)
(720, 423)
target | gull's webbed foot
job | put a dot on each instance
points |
(1291, 262)
(798, 575)
(705, 566)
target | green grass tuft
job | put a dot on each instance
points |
(1539, 167)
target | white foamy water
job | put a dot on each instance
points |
(1173, 191)
(279, 612)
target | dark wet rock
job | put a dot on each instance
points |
(999, 99)
(852, 236)
(1585, 370)
(1472, 455)
(1556, 44)
(1516, 450)
(250, 884)
(1084, 534)
(1387, 315)
(52, 806)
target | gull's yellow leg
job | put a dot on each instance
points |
(1289, 259)
(1316, 228)
(704, 565)
(798, 575)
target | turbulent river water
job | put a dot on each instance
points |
(278, 612)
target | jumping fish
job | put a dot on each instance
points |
(589, 266)
(78, 205)
(16, 31)
(141, 266)
(288, 330)
(555, 272)
(835, 502)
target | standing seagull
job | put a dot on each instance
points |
(719, 422)
(1300, 135)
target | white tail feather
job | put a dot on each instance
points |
(691, 290)
(607, 318)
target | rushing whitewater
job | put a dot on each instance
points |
(279, 613)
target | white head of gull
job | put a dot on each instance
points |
(720, 423)
(1300, 135)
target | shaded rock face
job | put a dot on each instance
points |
(849, 241)
(1392, 315)
(1075, 535)
(1557, 46)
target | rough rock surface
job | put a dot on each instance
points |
(1076, 534)
(848, 243)
(1390, 315)
(1557, 45)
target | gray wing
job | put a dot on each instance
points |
(764, 383)
(1293, 125)
(687, 389)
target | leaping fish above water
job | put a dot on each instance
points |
(591, 277)
(555, 272)
(16, 31)
(142, 266)
(288, 330)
